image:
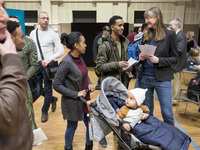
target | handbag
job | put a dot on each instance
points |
(52, 67)
(97, 128)
(36, 87)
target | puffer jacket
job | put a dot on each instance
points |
(15, 127)
(108, 58)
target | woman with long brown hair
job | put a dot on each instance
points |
(154, 71)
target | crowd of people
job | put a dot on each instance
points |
(21, 59)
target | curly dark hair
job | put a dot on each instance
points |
(11, 26)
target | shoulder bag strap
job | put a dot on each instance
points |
(39, 44)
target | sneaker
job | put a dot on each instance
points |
(103, 143)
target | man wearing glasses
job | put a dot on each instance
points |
(48, 40)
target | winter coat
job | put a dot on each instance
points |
(68, 81)
(15, 128)
(108, 58)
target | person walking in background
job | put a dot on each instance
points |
(29, 59)
(48, 39)
(175, 25)
(71, 81)
(15, 127)
(154, 71)
(105, 31)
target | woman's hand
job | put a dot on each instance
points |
(142, 56)
(82, 93)
(91, 87)
(145, 116)
(153, 58)
(127, 126)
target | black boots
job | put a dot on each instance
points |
(88, 147)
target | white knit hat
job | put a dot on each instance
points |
(139, 95)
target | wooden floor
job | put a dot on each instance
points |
(55, 127)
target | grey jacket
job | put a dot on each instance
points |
(68, 81)
(182, 50)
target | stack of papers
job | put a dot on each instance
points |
(131, 62)
(147, 49)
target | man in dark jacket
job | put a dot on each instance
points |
(15, 127)
(105, 31)
(175, 25)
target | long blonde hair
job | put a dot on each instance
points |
(190, 36)
(155, 12)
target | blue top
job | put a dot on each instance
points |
(148, 65)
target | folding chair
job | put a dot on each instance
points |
(184, 98)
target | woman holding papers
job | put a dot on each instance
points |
(154, 70)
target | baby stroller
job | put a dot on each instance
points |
(104, 118)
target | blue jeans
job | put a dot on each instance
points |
(48, 97)
(71, 128)
(164, 92)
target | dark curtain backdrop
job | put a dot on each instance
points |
(89, 31)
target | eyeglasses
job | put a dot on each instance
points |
(43, 18)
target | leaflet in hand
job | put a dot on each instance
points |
(147, 49)
(131, 62)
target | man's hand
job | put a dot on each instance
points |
(123, 64)
(127, 126)
(8, 47)
(45, 62)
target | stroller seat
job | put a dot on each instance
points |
(104, 118)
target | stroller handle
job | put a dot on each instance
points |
(82, 99)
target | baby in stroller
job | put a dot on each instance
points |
(150, 130)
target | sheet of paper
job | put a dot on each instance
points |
(196, 67)
(131, 62)
(39, 136)
(147, 49)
